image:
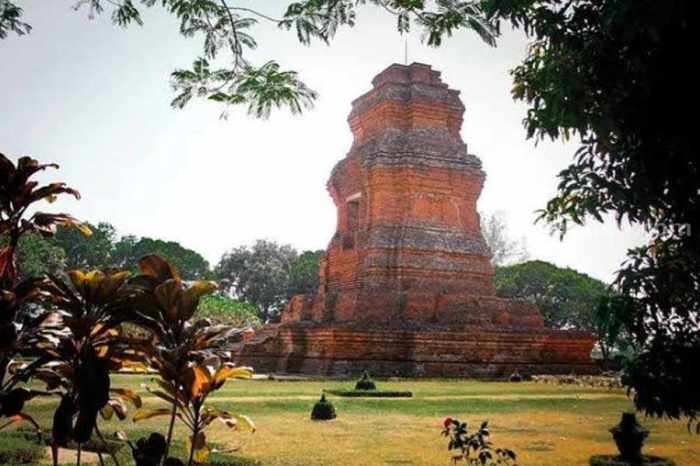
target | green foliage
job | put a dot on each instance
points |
(191, 357)
(105, 250)
(227, 38)
(320, 19)
(476, 447)
(75, 359)
(666, 378)
(258, 275)
(303, 274)
(222, 309)
(16, 449)
(18, 195)
(370, 393)
(129, 250)
(37, 256)
(9, 20)
(566, 298)
(614, 316)
(609, 73)
(323, 410)
(92, 252)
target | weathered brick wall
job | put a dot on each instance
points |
(475, 352)
(408, 240)
(406, 283)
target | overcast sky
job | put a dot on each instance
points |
(95, 99)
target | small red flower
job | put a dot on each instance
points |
(447, 422)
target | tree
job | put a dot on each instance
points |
(81, 252)
(105, 250)
(566, 298)
(303, 274)
(130, 249)
(258, 275)
(613, 317)
(36, 256)
(222, 309)
(503, 248)
(227, 29)
(610, 72)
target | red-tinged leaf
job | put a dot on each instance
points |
(158, 267)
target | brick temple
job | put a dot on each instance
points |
(406, 283)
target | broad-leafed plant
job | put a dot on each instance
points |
(190, 356)
(87, 312)
(188, 394)
(18, 194)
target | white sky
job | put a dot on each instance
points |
(95, 99)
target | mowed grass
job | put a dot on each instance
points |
(546, 425)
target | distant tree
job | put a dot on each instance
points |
(190, 264)
(259, 275)
(37, 256)
(303, 274)
(504, 249)
(104, 249)
(123, 252)
(571, 300)
(567, 299)
(223, 309)
(81, 252)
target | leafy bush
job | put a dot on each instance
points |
(222, 309)
(323, 410)
(365, 383)
(475, 448)
(16, 449)
(371, 393)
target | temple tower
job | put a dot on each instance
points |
(408, 244)
(406, 283)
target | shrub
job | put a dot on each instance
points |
(16, 448)
(365, 383)
(323, 410)
(371, 393)
(222, 309)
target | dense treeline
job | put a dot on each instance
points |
(256, 281)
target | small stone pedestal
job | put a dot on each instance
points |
(614, 460)
(629, 437)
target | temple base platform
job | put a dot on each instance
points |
(474, 352)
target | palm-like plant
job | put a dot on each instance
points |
(17, 194)
(87, 343)
(189, 393)
(191, 358)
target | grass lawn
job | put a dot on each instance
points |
(546, 425)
